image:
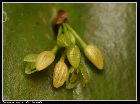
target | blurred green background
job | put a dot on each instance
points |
(110, 26)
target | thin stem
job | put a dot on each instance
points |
(60, 30)
(63, 56)
(55, 48)
(65, 29)
(81, 42)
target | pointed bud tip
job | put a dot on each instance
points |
(100, 67)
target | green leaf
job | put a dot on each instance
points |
(30, 57)
(110, 26)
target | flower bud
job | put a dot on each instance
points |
(60, 74)
(94, 55)
(63, 41)
(44, 59)
(73, 54)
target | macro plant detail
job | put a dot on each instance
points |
(60, 72)
(72, 72)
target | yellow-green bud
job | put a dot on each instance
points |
(94, 55)
(74, 56)
(44, 59)
(60, 74)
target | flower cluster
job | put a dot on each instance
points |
(69, 72)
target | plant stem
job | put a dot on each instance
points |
(59, 30)
(65, 30)
(55, 48)
(63, 56)
(81, 42)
